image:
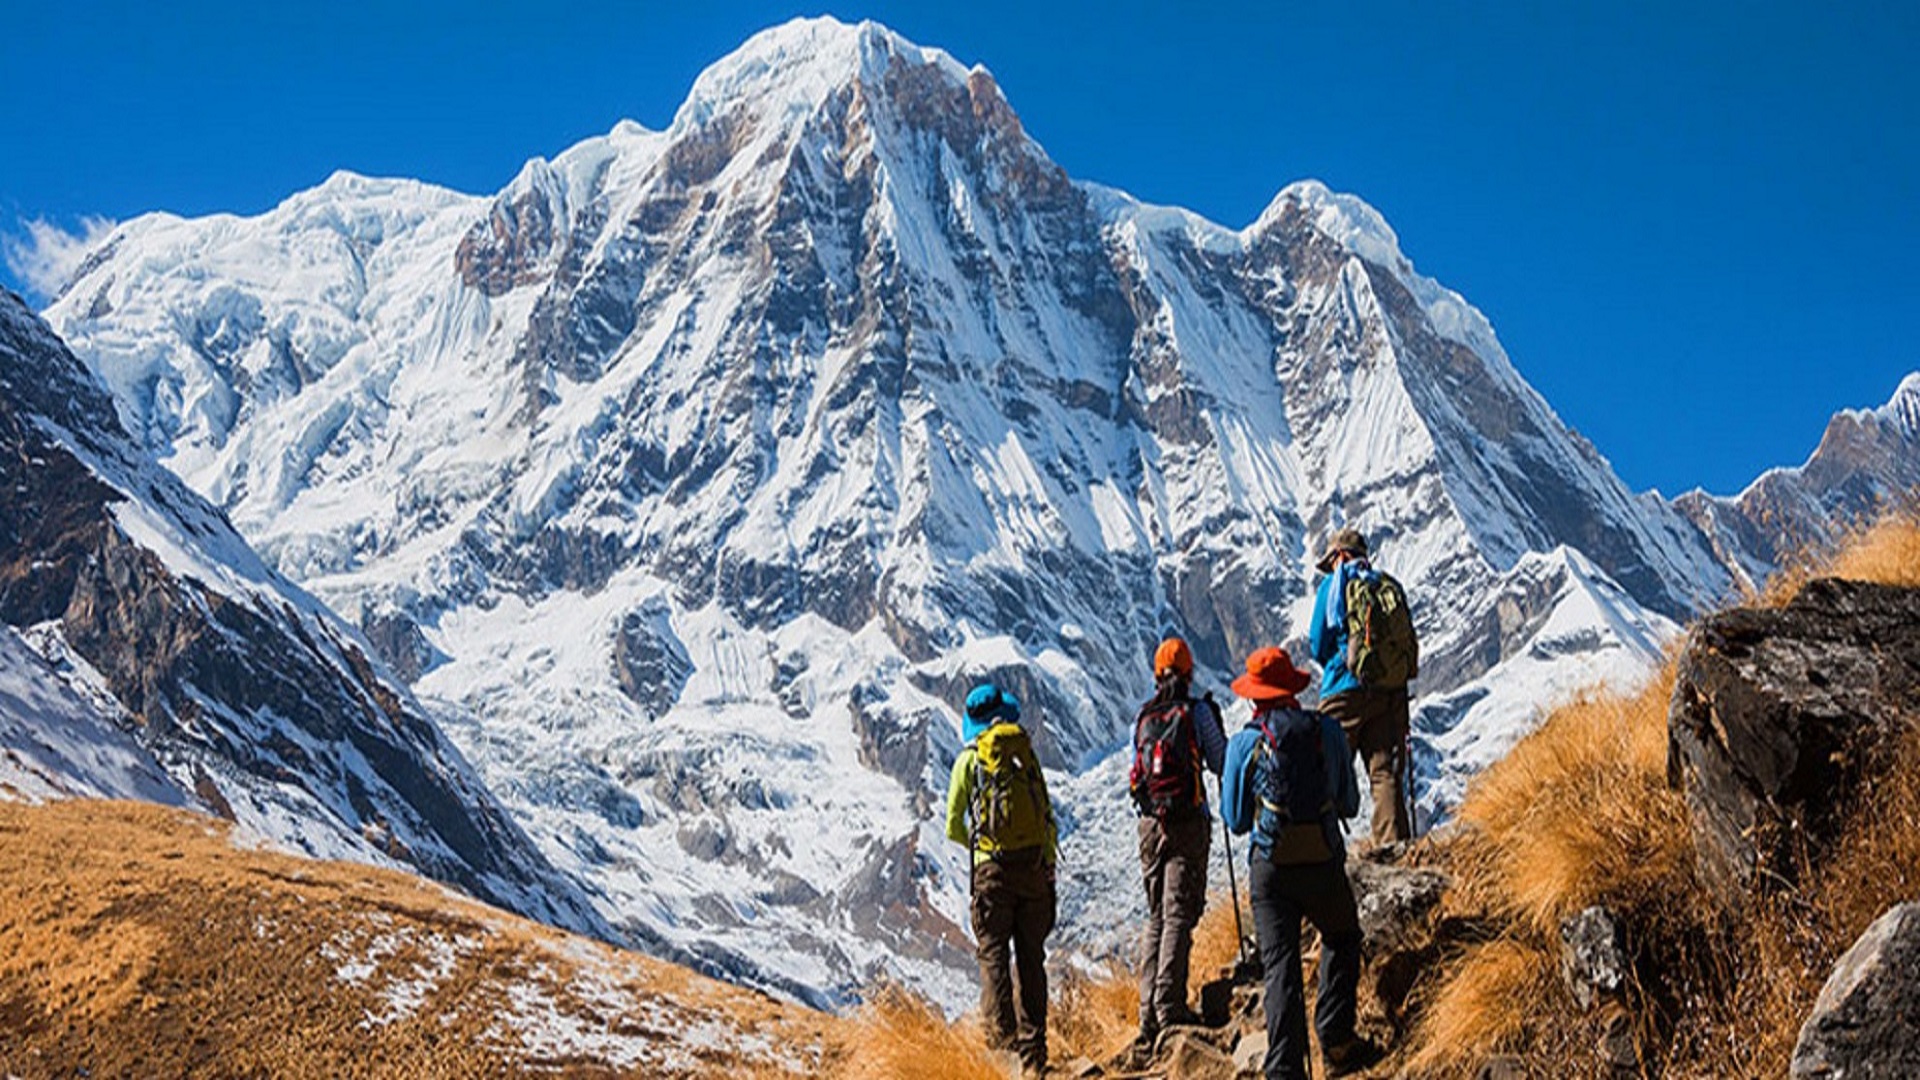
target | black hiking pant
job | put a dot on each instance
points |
(1282, 895)
(1173, 866)
(1013, 911)
(1376, 722)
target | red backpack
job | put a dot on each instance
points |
(1165, 778)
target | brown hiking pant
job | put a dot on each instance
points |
(1376, 723)
(1013, 910)
(1173, 866)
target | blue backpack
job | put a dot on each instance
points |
(1289, 780)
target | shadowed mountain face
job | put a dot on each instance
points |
(246, 692)
(694, 477)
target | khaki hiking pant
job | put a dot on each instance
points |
(1013, 912)
(1376, 723)
(1173, 866)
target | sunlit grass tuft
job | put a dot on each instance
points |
(896, 1033)
(1579, 811)
(1483, 1008)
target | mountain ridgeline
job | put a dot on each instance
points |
(691, 478)
(159, 621)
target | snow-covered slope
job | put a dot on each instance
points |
(168, 659)
(695, 475)
(59, 742)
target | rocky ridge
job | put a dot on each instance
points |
(204, 677)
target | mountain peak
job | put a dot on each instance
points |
(1348, 219)
(790, 68)
(1904, 407)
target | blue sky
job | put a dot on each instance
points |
(1694, 225)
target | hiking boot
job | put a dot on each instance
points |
(1182, 1016)
(1352, 1056)
(1136, 1057)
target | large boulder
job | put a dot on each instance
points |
(1776, 713)
(1404, 937)
(1866, 1023)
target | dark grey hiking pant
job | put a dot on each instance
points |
(1013, 911)
(1282, 895)
(1376, 722)
(1173, 867)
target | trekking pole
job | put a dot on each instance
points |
(1233, 887)
(1413, 829)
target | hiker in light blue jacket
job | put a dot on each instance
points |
(1375, 715)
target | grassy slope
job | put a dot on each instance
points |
(138, 941)
(1580, 813)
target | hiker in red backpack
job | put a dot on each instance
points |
(1362, 637)
(1175, 736)
(997, 805)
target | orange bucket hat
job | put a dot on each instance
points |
(1270, 674)
(1172, 658)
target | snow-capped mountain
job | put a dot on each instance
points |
(694, 476)
(156, 657)
(1866, 459)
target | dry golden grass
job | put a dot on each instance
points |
(1216, 936)
(898, 1034)
(137, 941)
(1579, 813)
(1483, 1008)
(1888, 553)
(1094, 1016)
(1885, 550)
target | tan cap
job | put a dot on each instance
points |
(1348, 540)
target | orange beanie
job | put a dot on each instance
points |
(1172, 658)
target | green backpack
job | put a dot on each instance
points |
(1008, 810)
(1381, 647)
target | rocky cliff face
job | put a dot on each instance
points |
(1777, 716)
(243, 689)
(696, 474)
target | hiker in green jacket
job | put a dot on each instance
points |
(997, 805)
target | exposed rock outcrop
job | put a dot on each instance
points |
(1778, 712)
(1593, 957)
(1866, 1024)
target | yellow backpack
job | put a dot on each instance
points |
(1008, 810)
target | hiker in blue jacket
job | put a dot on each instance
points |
(1288, 781)
(1375, 716)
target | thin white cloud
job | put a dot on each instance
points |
(46, 255)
